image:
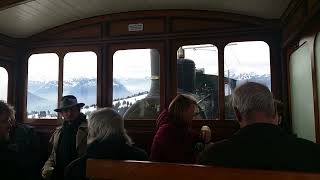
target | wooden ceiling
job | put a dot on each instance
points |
(23, 18)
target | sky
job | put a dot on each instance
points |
(245, 57)
(204, 56)
(132, 63)
(43, 67)
(3, 84)
(80, 65)
(240, 57)
(76, 65)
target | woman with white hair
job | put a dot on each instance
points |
(107, 139)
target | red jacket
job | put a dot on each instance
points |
(173, 143)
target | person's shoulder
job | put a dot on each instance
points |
(305, 144)
(76, 169)
(220, 145)
(84, 121)
(24, 127)
(84, 125)
(23, 130)
(139, 154)
(215, 150)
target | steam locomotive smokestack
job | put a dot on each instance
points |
(155, 73)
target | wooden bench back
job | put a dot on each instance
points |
(137, 170)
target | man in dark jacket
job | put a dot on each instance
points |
(260, 143)
(19, 146)
(69, 140)
(107, 139)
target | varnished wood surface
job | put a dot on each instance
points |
(135, 170)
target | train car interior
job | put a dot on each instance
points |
(136, 56)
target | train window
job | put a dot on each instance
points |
(301, 94)
(243, 62)
(3, 84)
(80, 78)
(43, 71)
(136, 83)
(197, 75)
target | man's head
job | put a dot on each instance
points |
(69, 107)
(106, 123)
(253, 103)
(7, 120)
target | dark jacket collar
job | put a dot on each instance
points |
(260, 130)
(106, 148)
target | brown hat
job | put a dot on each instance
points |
(68, 102)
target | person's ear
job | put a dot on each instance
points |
(238, 114)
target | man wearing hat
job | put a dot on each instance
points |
(69, 140)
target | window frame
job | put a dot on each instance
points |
(220, 42)
(175, 79)
(159, 46)
(270, 66)
(61, 52)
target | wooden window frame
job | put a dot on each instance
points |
(113, 48)
(61, 52)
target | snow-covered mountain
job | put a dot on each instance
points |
(251, 76)
(43, 95)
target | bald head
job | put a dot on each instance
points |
(253, 103)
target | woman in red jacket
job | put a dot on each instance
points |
(175, 141)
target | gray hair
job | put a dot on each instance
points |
(105, 123)
(253, 97)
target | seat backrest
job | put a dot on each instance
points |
(138, 170)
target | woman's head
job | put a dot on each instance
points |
(105, 123)
(182, 108)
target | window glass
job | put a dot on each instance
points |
(243, 62)
(197, 75)
(3, 84)
(42, 92)
(80, 78)
(136, 83)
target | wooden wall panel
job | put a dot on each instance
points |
(7, 52)
(93, 31)
(185, 24)
(84, 32)
(295, 20)
(150, 26)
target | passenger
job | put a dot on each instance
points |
(19, 147)
(175, 141)
(260, 143)
(107, 139)
(69, 140)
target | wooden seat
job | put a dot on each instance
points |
(137, 170)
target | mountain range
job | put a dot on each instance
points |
(243, 77)
(42, 95)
